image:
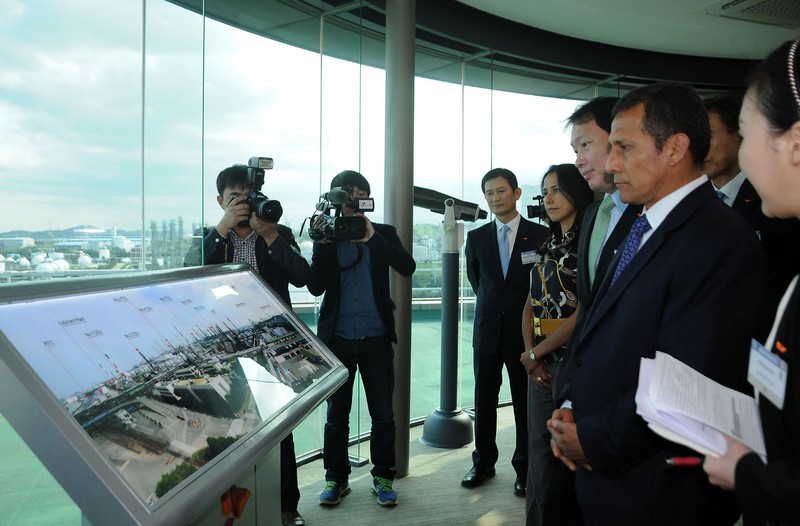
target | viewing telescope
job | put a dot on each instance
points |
(434, 201)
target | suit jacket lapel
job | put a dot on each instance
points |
(587, 225)
(521, 241)
(494, 249)
(515, 259)
(614, 244)
(746, 199)
(608, 296)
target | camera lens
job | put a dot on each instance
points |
(268, 210)
(265, 209)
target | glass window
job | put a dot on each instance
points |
(117, 118)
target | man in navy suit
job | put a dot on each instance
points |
(780, 238)
(500, 255)
(688, 283)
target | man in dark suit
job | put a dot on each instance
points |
(272, 251)
(687, 283)
(356, 321)
(780, 238)
(500, 256)
(551, 495)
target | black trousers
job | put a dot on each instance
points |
(290, 493)
(488, 379)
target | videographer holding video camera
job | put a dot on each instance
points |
(356, 322)
(249, 232)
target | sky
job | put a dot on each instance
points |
(94, 132)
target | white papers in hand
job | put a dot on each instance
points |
(689, 408)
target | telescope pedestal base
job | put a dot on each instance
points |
(447, 429)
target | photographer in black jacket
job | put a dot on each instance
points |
(356, 321)
(272, 251)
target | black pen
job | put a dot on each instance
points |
(685, 462)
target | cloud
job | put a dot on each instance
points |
(102, 143)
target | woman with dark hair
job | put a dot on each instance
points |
(769, 493)
(549, 315)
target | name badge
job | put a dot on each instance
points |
(767, 372)
(530, 257)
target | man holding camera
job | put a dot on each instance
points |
(273, 253)
(356, 322)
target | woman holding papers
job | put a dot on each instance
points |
(770, 156)
(551, 304)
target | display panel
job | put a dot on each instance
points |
(163, 378)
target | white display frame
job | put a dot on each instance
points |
(33, 400)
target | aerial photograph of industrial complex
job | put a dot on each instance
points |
(164, 378)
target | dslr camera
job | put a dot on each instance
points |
(334, 226)
(265, 208)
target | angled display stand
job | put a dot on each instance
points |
(157, 398)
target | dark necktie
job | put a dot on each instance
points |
(640, 226)
(601, 223)
(502, 246)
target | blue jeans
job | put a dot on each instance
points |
(375, 358)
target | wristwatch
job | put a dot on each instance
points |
(533, 356)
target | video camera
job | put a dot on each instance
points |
(337, 227)
(265, 208)
(537, 211)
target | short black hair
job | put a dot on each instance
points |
(727, 108)
(671, 108)
(351, 178)
(505, 173)
(771, 90)
(232, 177)
(598, 109)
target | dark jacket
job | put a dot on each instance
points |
(278, 264)
(498, 300)
(691, 291)
(780, 239)
(586, 290)
(386, 251)
(769, 493)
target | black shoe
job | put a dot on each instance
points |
(519, 487)
(475, 478)
(292, 518)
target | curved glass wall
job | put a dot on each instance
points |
(117, 118)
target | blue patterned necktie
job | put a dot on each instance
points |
(502, 246)
(640, 226)
(599, 230)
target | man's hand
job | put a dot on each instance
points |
(564, 442)
(370, 229)
(722, 470)
(319, 224)
(265, 229)
(236, 211)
